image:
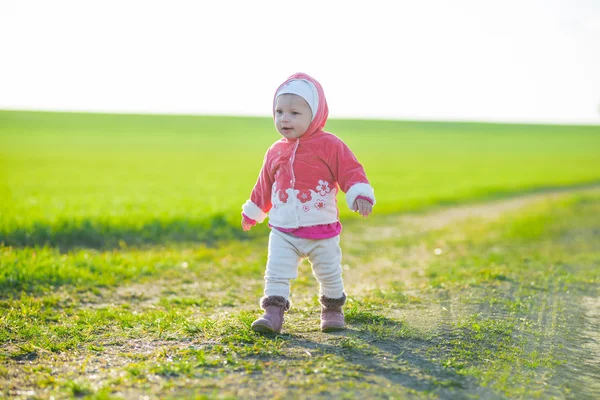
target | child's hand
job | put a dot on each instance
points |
(246, 225)
(363, 207)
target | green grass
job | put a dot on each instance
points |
(122, 272)
(102, 181)
(501, 313)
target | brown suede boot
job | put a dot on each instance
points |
(332, 316)
(272, 320)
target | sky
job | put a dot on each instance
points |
(513, 61)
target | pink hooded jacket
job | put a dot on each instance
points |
(299, 179)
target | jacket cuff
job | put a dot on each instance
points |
(370, 200)
(254, 212)
(248, 219)
(359, 189)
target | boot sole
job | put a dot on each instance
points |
(333, 329)
(262, 329)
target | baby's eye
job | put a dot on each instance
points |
(277, 111)
(295, 113)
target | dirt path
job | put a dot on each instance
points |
(400, 265)
(412, 224)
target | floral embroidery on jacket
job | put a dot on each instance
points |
(323, 188)
(320, 204)
(306, 208)
(304, 195)
(283, 196)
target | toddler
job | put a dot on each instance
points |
(297, 187)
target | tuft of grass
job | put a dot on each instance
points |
(80, 388)
(354, 313)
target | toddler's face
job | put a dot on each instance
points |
(292, 116)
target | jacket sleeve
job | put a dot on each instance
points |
(350, 174)
(259, 204)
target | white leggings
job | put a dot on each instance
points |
(286, 252)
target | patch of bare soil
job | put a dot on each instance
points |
(591, 343)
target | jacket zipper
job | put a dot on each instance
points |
(292, 163)
(294, 178)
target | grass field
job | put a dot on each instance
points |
(97, 180)
(124, 273)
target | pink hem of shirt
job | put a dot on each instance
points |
(313, 232)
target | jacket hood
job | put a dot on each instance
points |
(320, 118)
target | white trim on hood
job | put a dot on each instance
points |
(308, 93)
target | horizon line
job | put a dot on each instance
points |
(510, 121)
